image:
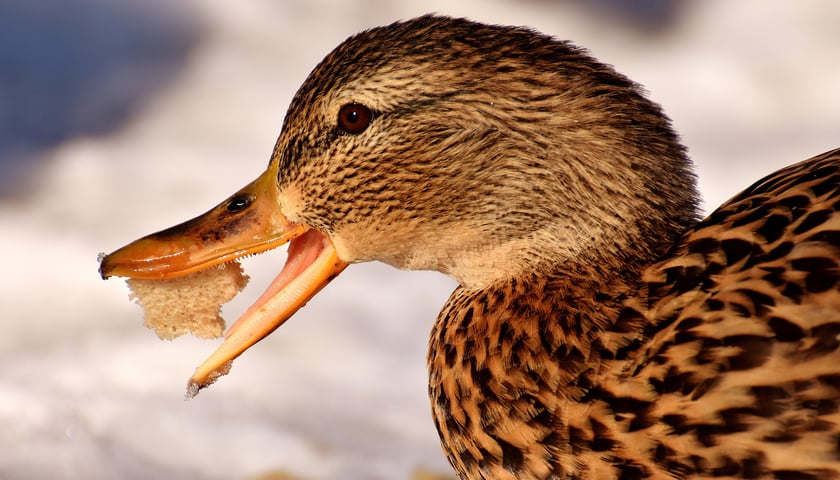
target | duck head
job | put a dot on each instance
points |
(482, 152)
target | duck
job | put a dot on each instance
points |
(600, 329)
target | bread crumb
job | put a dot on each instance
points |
(188, 304)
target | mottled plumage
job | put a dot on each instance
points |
(599, 331)
(724, 362)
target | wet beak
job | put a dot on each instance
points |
(248, 222)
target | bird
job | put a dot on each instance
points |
(600, 329)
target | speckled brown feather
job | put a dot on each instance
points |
(598, 332)
(724, 364)
(745, 362)
(485, 140)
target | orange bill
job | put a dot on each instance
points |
(248, 222)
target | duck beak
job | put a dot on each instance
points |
(247, 223)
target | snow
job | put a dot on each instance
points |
(339, 391)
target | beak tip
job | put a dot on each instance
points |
(193, 387)
(104, 267)
(205, 375)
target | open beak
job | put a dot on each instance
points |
(248, 222)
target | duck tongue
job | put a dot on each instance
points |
(312, 262)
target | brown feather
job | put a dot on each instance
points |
(599, 331)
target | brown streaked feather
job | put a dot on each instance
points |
(549, 186)
(725, 364)
(747, 368)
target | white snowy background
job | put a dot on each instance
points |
(339, 392)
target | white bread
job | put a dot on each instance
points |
(188, 304)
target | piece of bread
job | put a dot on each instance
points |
(188, 304)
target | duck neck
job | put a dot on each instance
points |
(509, 363)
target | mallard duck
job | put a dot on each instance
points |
(600, 330)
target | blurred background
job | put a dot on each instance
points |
(118, 118)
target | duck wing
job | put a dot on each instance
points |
(744, 353)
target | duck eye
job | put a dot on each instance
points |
(354, 118)
(239, 203)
